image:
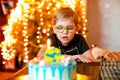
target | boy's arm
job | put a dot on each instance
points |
(88, 54)
(86, 57)
(42, 51)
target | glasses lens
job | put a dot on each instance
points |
(70, 28)
(60, 28)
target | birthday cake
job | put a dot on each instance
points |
(53, 66)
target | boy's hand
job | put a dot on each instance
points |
(81, 58)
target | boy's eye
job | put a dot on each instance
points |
(59, 27)
(70, 28)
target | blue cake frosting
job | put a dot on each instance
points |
(52, 71)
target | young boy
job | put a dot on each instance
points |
(65, 37)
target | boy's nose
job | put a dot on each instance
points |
(65, 30)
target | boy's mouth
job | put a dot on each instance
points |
(64, 37)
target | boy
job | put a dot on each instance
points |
(65, 37)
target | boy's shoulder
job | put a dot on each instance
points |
(78, 36)
(52, 36)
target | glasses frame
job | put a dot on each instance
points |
(61, 28)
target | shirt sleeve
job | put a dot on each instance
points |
(51, 37)
(83, 46)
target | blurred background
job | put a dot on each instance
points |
(25, 25)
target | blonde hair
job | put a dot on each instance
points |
(64, 13)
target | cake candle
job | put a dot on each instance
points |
(48, 43)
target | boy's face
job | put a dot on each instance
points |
(65, 30)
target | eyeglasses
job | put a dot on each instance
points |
(62, 28)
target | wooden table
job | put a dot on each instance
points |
(104, 70)
(89, 70)
(85, 71)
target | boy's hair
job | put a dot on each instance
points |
(64, 13)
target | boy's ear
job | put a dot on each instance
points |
(78, 27)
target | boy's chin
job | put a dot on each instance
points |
(65, 43)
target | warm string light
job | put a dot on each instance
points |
(39, 36)
(7, 51)
(70, 3)
(49, 8)
(25, 31)
(83, 4)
